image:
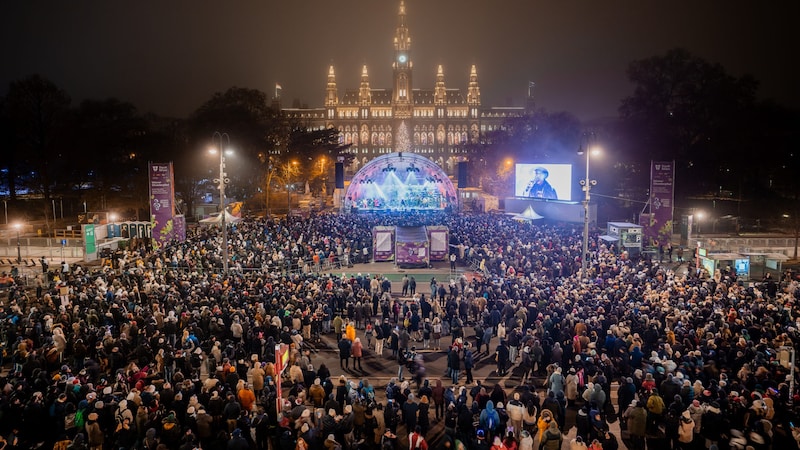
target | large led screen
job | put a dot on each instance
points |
(545, 181)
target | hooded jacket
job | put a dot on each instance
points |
(489, 419)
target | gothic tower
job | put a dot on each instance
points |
(331, 95)
(402, 68)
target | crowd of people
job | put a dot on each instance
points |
(166, 351)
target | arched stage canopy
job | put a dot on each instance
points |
(400, 182)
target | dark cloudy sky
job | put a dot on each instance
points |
(168, 57)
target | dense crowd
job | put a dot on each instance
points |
(168, 352)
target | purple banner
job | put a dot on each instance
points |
(162, 202)
(662, 197)
(179, 227)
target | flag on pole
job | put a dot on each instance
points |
(278, 86)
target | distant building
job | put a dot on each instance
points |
(438, 123)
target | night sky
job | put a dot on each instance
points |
(168, 57)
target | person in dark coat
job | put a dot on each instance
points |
(237, 442)
(410, 410)
(501, 357)
(454, 363)
(344, 352)
(626, 393)
(390, 415)
(423, 416)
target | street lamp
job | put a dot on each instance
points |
(586, 185)
(700, 215)
(222, 181)
(289, 165)
(18, 226)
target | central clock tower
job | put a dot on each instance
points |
(402, 68)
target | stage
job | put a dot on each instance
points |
(400, 182)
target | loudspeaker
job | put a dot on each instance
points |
(339, 175)
(463, 174)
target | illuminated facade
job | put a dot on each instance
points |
(437, 123)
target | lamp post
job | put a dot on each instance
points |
(586, 184)
(223, 139)
(700, 215)
(19, 252)
(289, 165)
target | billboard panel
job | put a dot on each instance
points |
(662, 194)
(162, 202)
(546, 181)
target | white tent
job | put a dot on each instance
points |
(528, 214)
(217, 218)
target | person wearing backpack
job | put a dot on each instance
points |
(552, 438)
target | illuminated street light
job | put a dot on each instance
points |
(289, 169)
(222, 181)
(587, 148)
(18, 226)
(700, 216)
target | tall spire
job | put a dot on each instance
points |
(331, 96)
(402, 40)
(439, 91)
(402, 67)
(364, 93)
(473, 91)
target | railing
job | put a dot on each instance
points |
(305, 266)
(35, 252)
(68, 233)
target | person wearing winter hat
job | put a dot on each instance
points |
(330, 442)
(577, 444)
(94, 433)
(237, 442)
(497, 444)
(525, 441)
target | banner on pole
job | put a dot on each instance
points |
(162, 202)
(662, 199)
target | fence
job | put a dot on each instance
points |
(35, 248)
(304, 266)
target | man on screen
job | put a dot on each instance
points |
(538, 187)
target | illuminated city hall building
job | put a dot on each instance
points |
(437, 123)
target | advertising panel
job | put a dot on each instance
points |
(544, 181)
(162, 202)
(662, 194)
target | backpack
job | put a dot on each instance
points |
(390, 392)
(80, 418)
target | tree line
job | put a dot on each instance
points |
(727, 144)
